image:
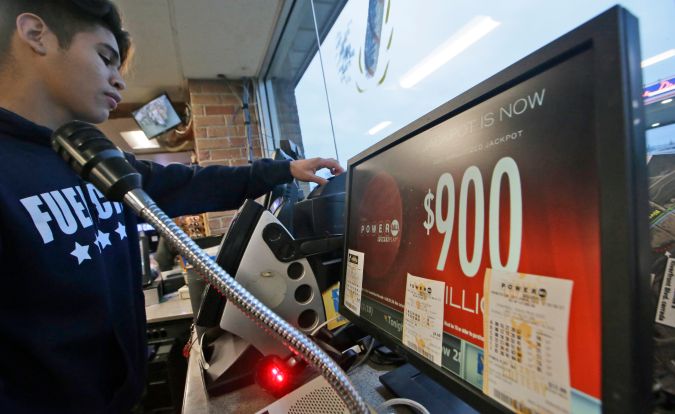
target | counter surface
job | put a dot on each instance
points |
(169, 309)
(252, 398)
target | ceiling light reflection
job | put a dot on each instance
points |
(379, 127)
(658, 58)
(466, 36)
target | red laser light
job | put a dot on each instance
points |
(276, 376)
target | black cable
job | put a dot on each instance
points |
(365, 356)
(247, 119)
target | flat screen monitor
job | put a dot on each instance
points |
(500, 242)
(157, 116)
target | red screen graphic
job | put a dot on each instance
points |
(510, 183)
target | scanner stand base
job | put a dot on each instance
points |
(407, 382)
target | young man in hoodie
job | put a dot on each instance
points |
(72, 321)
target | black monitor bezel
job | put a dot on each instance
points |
(173, 107)
(618, 124)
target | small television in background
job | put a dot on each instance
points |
(157, 116)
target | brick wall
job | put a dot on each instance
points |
(220, 132)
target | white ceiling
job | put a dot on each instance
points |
(180, 39)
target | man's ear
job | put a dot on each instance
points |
(31, 30)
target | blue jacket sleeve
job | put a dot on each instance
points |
(179, 190)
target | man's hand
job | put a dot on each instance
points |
(305, 170)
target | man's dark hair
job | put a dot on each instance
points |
(65, 18)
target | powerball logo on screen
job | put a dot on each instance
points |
(380, 224)
(384, 231)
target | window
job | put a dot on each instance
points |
(384, 63)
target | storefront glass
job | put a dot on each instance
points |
(384, 63)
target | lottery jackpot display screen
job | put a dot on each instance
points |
(497, 242)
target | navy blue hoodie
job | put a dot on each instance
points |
(72, 316)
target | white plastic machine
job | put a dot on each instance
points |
(263, 255)
(274, 270)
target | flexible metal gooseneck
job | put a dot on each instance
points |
(98, 161)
